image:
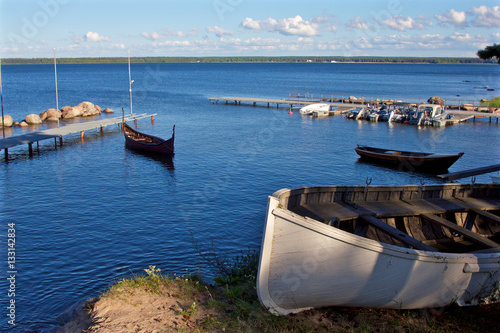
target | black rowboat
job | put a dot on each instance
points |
(408, 160)
(148, 143)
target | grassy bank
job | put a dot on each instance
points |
(494, 102)
(153, 301)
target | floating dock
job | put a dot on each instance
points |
(287, 103)
(59, 132)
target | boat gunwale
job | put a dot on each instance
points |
(144, 134)
(372, 188)
(281, 195)
(404, 154)
(380, 247)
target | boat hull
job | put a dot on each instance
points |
(408, 161)
(308, 264)
(147, 143)
(319, 108)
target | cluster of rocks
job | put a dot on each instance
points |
(84, 109)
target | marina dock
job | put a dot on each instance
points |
(287, 103)
(343, 105)
(59, 132)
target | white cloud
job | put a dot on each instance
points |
(357, 23)
(287, 26)
(173, 33)
(331, 28)
(321, 19)
(462, 37)
(453, 17)
(218, 31)
(94, 37)
(173, 43)
(167, 32)
(486, 17)
(400, 23)
(152, 35)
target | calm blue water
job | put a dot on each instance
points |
(91, 213)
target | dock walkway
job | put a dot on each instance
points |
(471, 172)
(290, 103)
(59, 132)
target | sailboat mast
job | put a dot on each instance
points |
(1, 100)
(130, 82)
(57, 97)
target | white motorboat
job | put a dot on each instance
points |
(427, 114)
(311, 108)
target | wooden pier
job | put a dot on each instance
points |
(287, 103)
(471, 172)
(59, 132)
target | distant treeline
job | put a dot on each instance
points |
(110, 60)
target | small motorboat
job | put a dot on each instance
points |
(148, 143)
(316, 107)
(429, 115)
(408, 160)
(399, 247)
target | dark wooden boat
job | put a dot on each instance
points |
(148, 143)
(408, 160)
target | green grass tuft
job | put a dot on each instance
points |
(494, 102)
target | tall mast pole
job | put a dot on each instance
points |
(1, 100)
(130, 82)
(57, 98)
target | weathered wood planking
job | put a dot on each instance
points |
(466, 233)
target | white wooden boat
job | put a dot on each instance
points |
(316, 107)
(399, 247)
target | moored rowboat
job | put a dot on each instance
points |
(148, 143)
(408, 160)
(399, 247)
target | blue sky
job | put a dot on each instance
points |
(103, 28)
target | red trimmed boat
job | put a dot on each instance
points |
(148, 143)
(408, 160)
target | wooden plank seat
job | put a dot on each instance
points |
(463, 231)
(396, 234)
(488, 215)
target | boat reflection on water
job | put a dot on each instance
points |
(165, 160)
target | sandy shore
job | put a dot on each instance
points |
(140, 310)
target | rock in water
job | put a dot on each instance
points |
(435, 100)
(6, 120)
(33, 119)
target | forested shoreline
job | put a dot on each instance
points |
(304, 59)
